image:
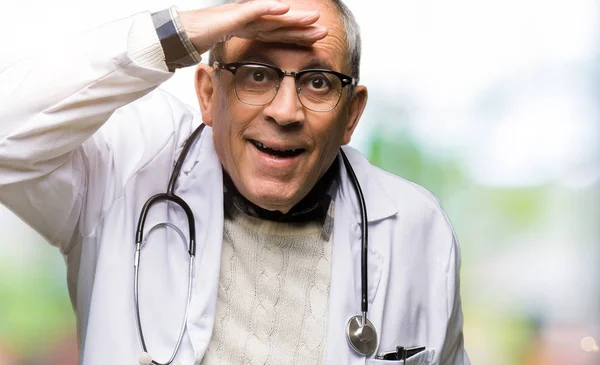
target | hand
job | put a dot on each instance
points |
(263, 20)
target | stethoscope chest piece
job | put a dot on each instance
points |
(361, 335)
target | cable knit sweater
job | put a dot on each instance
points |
(273, 296)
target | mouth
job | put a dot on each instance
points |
(276, 152)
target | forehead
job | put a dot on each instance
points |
(330, 52)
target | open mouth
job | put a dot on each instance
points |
(277, 153)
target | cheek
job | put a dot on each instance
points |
(331, 134)
(329, 137)
(232, 118)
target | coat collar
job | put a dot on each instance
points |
(202, 172)
(378, 201)
(377, 198)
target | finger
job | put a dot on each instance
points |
(302, 35)
(290, 19)
(252, 10)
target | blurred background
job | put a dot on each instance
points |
(492, 105)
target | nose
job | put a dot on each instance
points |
(285, 109)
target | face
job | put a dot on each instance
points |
(275, 153)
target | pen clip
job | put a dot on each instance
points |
(401, 353)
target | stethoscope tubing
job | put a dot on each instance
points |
(172, 197)
(177, 200)
(364, 235)
(185, 316)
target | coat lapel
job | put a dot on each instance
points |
(201, 185)
(345, 294)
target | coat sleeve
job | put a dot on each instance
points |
(453, 351)
(51, 105)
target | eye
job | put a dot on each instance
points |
(258, 75)
(316, 82)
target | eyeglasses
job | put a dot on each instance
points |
(257, 84)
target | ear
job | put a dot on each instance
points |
(204, 92)
(355, 110)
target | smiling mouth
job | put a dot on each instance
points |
(277, 153)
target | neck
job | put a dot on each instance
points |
(313, 205)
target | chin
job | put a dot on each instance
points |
(273, 196)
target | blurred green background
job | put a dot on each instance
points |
(492, 105)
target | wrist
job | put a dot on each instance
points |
(194, 31)
(177, 46)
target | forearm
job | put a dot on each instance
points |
(53, 102)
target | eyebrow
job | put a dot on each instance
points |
(317, 63)
(251, 54)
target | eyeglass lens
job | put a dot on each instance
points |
(258, 85)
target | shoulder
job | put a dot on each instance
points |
(415, 203)
(157, 115)
(155, 122)
(398, 185)
(138, 133)
(418, 213)
(404, 195)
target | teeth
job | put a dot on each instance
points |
(260, 145)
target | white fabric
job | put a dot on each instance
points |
(81, 181)
(144, 46)
(273, 293)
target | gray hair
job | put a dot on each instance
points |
(351, 29)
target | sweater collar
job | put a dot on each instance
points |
(317, 205)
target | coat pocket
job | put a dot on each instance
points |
(422, 358)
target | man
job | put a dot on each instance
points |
(85, 141)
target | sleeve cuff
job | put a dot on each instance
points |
(143, 44)
(178, 49)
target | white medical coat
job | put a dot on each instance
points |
(85, 140)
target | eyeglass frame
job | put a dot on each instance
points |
(233, 67)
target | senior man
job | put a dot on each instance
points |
(277, 275)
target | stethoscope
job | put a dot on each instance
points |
(360, 332)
